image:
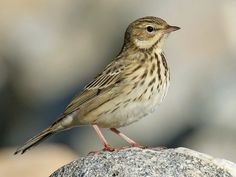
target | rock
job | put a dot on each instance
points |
(179, 162)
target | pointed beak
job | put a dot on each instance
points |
(169, 29)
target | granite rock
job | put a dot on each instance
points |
(179, 162)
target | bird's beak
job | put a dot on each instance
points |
(169, 29)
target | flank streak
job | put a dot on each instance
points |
(152, 69)
(135, 69)
(164, 63)
(144, 74)
(158, 68)
(152, 82)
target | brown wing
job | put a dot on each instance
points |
(101, 84)
(108, 77)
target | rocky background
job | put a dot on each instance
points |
(138, 162)
(50, 49)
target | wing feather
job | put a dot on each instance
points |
(108, 77)
(101, 84)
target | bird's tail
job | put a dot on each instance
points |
(36, 140)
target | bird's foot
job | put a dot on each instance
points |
(108, 148)
(158, 148)
(137, 145)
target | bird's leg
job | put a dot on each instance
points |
(126, 138)
(107, 146)
(132, 142)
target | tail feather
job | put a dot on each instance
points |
(35, 140)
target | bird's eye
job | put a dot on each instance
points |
(149, 29)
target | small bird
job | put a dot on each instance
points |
(129, 88)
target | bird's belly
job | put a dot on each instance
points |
(131, 111)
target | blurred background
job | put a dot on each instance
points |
(49, 50)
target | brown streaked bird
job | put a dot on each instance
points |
(130, 87)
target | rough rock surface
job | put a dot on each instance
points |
(180, 162)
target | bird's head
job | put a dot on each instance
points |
(148, 32)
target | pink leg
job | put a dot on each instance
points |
(107, 146)
(133, 143)
(126, 138)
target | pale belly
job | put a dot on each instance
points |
(131, 111)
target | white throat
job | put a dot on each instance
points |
(149, 43)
